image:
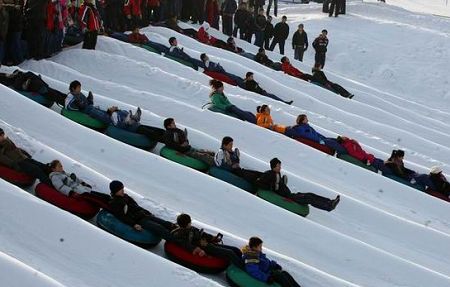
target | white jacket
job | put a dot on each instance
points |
(63, 183)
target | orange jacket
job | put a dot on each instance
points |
(266, 121)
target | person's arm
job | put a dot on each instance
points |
(117, 208)
(252, 268)
(265, 181)
(219, 160)
(59, 185)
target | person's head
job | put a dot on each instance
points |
(300, 27)
(243, 5)
(436, 170)
(249, 76)
(324, 33)
(75, 87)
(111, 110)
(136, 30)
(341, 139)
(204, 57)
(184, 220)
(269, 18)
(169, 123)
(284, 19)
(255, 244)
(56, 166)
(261, 11)
(227, 143)
(264, 109)
(275, 164)
(216, 85)
(116, 187)
(173, 41)
(230, 40)
(302, 119)
(262, 51)
(285, 60)
(2, 135)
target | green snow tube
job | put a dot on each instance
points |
(181, 61)
(148, 48)
(216, 110)
(38, 98)
(350, 159)
(405, 182)
(283, 202)
(239, 278)
(83, 119)
(183, 159)
(134, 139)
(231, 178)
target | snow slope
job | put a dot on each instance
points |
(382, 234)
(435, 7)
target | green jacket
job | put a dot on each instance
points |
(220, 101)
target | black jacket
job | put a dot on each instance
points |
(252, 85)
(263, 59)
(281, 31)
(191, 237)
(260, 23)
(36, 10)
(300, 40)
(173, 138)
(127, 210)
(240, 18)
(271, 180)
(320, 45)
(440, 183)
(268, 31)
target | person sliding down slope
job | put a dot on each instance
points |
(205, 38)
(176, 139)
(287, 68)
(178, 52)
(318, 76)
(272, 180)
(263, 59)
(251, 85)
(438, 181)
(221, 102)
(264, 119)
(396, 165)
(216, 67)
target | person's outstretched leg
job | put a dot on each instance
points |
(340, 90)
(223, 251)
(272, 96)
(333, 144)
(158, 227)
(243, 115)
(152, 133)
(35, 169)
(315, 200)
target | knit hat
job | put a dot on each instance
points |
(205, 25)
(435, 170)
(115, 186)
(274, 162)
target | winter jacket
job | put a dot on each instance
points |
(229, 7)
(265, 121)
(399, 169)
(214, 67)
(122, 119)
(253, 86)
(76, 102)
(127, 210)
(268, 31)
(191, 237)
(36, 10)
(291, 70)
(4, 21)
(220, 101)
(263, 59)
(204, 37)
(240, 18)
(63, 183)
(15, 16)
(271, 180)
(225, 159)
(304, 131)
(260, 23)
(90, 18)
(300, 40)
(355, 150)
(132, 7)
(257, 264)
(10, 154)
(440, 183)
(281, 31)
(179, 53)
(55, 20)
(137, 38)
(320, 45)
(173, 138)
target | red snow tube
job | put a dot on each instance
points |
(77, 206)
(15, 177)
(316, 145)
(206, 264)
(437, 194)
(220, 77)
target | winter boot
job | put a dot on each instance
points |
(137, 115)
(90, 98)
(335, 202)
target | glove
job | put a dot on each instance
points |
(73, 176)
(368, 162)
(321, 142)
(270, 280)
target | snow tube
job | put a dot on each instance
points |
(350, 159)
(216, 110)
(119, 36)
(316, 145)
(38, 98)
(183, 159)
(148, 48)
(205, 264)
(83, 119)
(77, 206)
(17, 178)
(220, 77)
(437, 194)
(181, 61)
(134, 139)
(283, 202)
(110, 223)
(405, 182)
(231, 178)
(239, 278)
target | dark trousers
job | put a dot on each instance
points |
(259, 38)
(272, 96)
(241, 32)
(97, 114)
(280, 45)
(227, 24)
(231, 253)
(333, 144)
(14, 47)
(242, 115)
(248, 174)
(153, 13)
(198, 12)
(298, 53)
(285, 279)
(90, 40)
(35, 39)
(338, 89)
(152, 133)
(158, 227)
(315, 200)
(336, 7)
(266, 43)
(2, 51)
(379, 165)
(320, 59)
(275, 7)
(35, 169)
(55, 96)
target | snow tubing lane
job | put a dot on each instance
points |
(231, 178)
(83, 119)
(110, 223)
(405, 182)
(134, 139)
(350, 159)
(220, 77)
(77, 206)
(38, 98)
(206, 264)
(283, 202)
(148, 48)
(181, 61)
(183, 159)
(437, 194)
(216, 110)
(316, 145)
(239, 278)
(15, 177)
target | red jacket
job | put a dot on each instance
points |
(132, 7)
(212, 13)
(291, 70)
(90, 19)
(137, 38)
(204, 37)
(355, 150)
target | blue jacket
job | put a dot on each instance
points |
(225, 159)
(76, 102)
(122, 120)
(179, 53)
(257, 264)
(215, 67)
(304, 131)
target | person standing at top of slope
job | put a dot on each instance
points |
(336, 7)
(268, 33)
(177, 139)
(280, 34)
(320, 44)
(260, 27)
(240, 18)
(318, 76)
(90, 24)
(275, 8)
(251, 85)
(229, 7)
(272, 180)
(299, 43)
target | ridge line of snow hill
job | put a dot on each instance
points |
(211, 209)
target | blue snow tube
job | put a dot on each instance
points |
(110, 223)
(231, 178)
(38, 98)
(131, 138)
(405, 182)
